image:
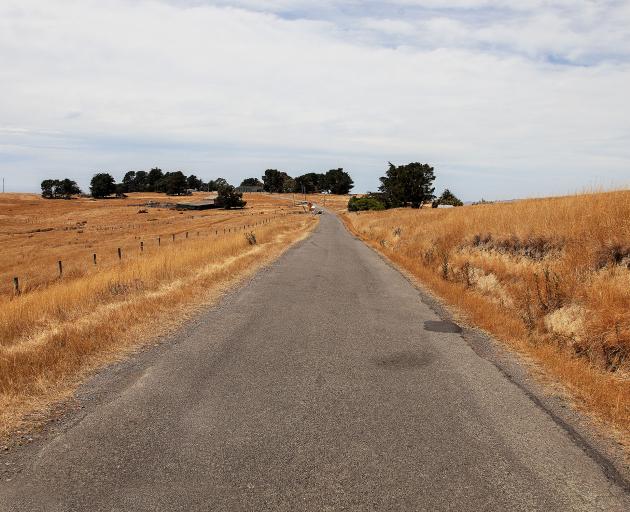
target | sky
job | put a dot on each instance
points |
(505, 99)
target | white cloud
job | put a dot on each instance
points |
(230, 91)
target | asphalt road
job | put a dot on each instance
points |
(326, 383)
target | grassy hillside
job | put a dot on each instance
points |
(549, 276)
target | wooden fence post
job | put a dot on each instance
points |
(119, 254)
(16, 285)
(94, 258)
(60, 268)
(186, 234)
(159, 241)
(173, 237)
(141, 246)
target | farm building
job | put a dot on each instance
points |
(202, 205)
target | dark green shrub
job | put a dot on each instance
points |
(356, 204)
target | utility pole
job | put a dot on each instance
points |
(3, 184)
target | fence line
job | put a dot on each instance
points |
(18, 289)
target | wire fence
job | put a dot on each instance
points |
(21, 285)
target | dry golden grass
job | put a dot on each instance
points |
(35, 233)
(549, 276)
(332, 202)
(58, 329)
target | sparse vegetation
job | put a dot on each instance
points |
(251, 238)
(550, 276)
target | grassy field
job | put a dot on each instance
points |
(60, 327)
(333, 202)
(551, 277)
(35, 234)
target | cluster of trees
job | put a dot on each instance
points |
(335, 181)
(104, 185)
(172, 183)
(404, 185)
(60, 189)
(156, 180)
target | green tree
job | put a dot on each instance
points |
(102, 185)
(154, 178)
(68, 188)
(60, 189)
(251, 182)
(228, 197)
(210, 186)
(141, 181)
(288, 185)
(448, 198)
(410, 184)
(274, 180)
(194, 183)
(48, 188)
(221, 182)
(121, 190)
(311, 183)
(173, 184)
(129, 182)
(338, 181)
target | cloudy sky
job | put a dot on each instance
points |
(506, 99)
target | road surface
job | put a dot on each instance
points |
(325, 383)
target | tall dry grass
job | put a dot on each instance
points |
(51, 336)
(549, 276)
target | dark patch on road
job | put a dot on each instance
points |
(442, 326)
(403, 360)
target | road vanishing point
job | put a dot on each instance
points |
(326, 383)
